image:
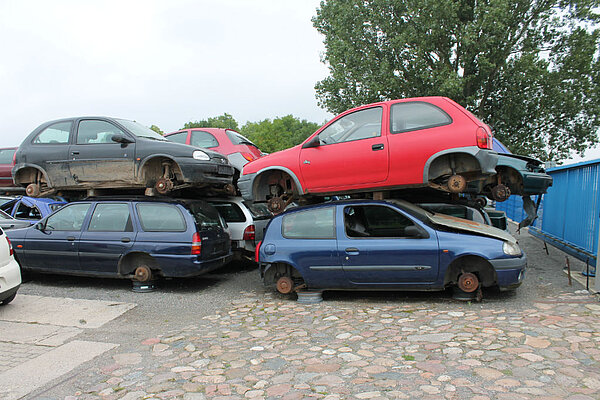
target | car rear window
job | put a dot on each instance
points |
(258, 210)
(417, 115)
(205, 215)
(311, 224)
(236, 138)
(161, 218)
(6, 156)
(230, 212)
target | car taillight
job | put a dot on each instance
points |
(256, 251)
(484, 138)
(196, 244)
(248, 156)
(249, 233)
(10, 248)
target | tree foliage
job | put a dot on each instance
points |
(279, 133)
(157, 129)
(528, 68)
(225, 121)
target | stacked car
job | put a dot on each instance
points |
(143, 205)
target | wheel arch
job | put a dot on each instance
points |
(438, 164)
(148, 163)
(279, 268)
(22, 172)
(474, 263)
(260, 191)
(128, 263)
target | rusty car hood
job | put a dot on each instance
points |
(471, 226)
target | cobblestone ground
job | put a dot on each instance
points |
(265, 346)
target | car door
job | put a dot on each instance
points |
(95, 157)
(377, 248)
(49, 149)
(52, 245)
(106, 238)
(350, 151)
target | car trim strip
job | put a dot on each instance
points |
(354, 268)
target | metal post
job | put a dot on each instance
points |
(569, 271)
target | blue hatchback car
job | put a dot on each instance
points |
(128, 238)
(31, 209)
(370, 244)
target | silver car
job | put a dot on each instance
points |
(246, 223)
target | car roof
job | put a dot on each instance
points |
(405, 205)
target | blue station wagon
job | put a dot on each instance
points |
(139, 239)
(370, 244)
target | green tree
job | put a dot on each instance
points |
(280, 133)
(157, 129)
(528, 68)
(225, 121)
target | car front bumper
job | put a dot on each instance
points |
(510, 271)
(201, 172)
(245, 185)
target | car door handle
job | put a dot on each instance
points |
(71, 238)
(376, 147)
(125, 240)
(74, 153)
(352, 250)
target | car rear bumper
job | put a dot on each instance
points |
(10, 279)
(197, 172)
(510, 271)
(188, 266)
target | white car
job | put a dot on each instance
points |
(10, 272)
(246, 223)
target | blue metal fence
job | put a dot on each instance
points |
(570, 216)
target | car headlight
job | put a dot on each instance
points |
(200, 155)
(511, 249)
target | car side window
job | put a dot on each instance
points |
(311, 224)
(111, 217)
(180, 137)
(94, 131)
(203, 139)
(375, 221)
(23, 211)
(68, 218)
(359, 125)
(416, 115)
(161, 218)
(54, 134)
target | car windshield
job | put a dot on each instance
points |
(140, 130)
(4, 215)
(417, 212)
(204, 214)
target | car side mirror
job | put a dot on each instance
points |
(413, 232)
(314, 142)
(119, 138)
(40, 226)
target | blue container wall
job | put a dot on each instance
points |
(571, 215)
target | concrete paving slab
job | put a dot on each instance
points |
(35, 373)
(37, 334)
(79, 313)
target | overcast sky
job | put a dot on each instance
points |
(157, 62)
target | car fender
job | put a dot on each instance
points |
(487, 159)
(277, 168)
(19, 167)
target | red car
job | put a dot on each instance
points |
(7, 162)
(415, 142)
(228, 142)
